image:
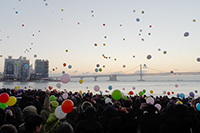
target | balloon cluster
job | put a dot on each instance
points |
(5, 100)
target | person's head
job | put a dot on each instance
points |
(90, 111)
(34, 123)
(29, 110)
(64, 128)
(8, 128)
(2, 116)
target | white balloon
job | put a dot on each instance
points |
(158, 106)
(59, 113)
(58, 85)
(150, 100)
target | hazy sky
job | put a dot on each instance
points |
(47, 28)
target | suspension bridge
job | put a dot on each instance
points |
(140, 73)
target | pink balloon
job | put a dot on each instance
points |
(122, 94)
(158, 106)
(176, 85)
(65, 78)
(65, 95)
(96, 88)
(150, 100)
(133, 88)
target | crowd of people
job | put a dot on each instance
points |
(34, 112)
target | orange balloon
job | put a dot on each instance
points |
(67, 106)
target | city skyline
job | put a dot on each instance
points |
(116, 35)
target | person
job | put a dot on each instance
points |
(34, 123)
(29, 110)
(64, 128)
(8, 128)
(89, 124)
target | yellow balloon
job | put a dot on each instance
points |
(80, 81)
(12, 100)
(145, 98)
(1, 77)
(16, 87)
(151, 91)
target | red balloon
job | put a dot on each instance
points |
(172, 92)
(168, 93)
(25, 87)
(64, 64)
(4, 97)
(130, 93)
(50, 87)
(67, 106)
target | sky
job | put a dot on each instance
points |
(126, 33)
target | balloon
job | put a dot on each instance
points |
(198, 59)
(4, 97)
(96, 70)
(80, 81)
(116, 95)
(3, 105)
(110, 87)
(59, 113)
(198, 106)
(164, 52)
(194, 20)
(150, 100)
(150, 26)
(15, 64)
(164, 92)
(50, 87)
(176, 85)
(64, 64)
(58, 85)
(148, 57)
(151, 91)
(95, 44)
(65, 95)
(52, 98)
(96, 88)
(70, 66)
(140, 93)
(186, 34)
(144, 90)
(131, 93)
(104, 24)
(171, 71)
(101, 92)
(133, 88)
(178, 95)
(172, 92)
(196, 91)
(168, 93)
(191, 94)
(35, 56)
(124, 66)
(63, 72)
(66, 50)
(142, 12)
(65, 78)
(158, 106)
(12, 100)
(125, 97)
(67, 106)
(98, 65)
(100, 69)
(62, 10)
(181, 95)
(123, 88)
(137, 19)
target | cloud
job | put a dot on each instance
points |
(75, 71)
(85, 73)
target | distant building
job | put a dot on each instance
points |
(16, 69)
(41, 69)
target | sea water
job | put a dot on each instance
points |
(157, 85)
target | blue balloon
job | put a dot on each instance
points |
(181, 95)
(63, 72)
(198, 106)
(70, 66)
(96, 70)
(137, 19)
(191, 94)
(101, 92)
(110, 87)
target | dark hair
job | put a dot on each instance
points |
(8, 128)
(33, 121)
(64, 128)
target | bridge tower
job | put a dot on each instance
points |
(141, 73)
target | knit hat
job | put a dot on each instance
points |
(54, 104)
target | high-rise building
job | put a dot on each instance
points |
(41, 69)
(16, 69)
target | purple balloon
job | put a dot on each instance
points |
(196, 91)
(150, 100)
(65, 78)
(191, 94)
(178, 95)
(96, 88)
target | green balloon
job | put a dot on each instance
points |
(100, 69)
(144, 91)
(52, 98)
(140, 93)
(3, 105)
(125, 97)
(116, 95)
(164, 52)
(15, 64)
